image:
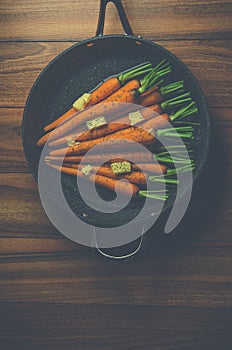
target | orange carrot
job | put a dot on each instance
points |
(88, 114)
(70, 113)
(42, 140)
(105, 89)
(152, 98)
(89, 134)
(122, 186)
(140, 134)
(125, 93)
(136, 177)
(156, 108)
(155, 88)
(150, 168)
(129, 93)
(83, 135)
(122, 123)
(132, 133)
(137, 157)
(157, 96)
(147, 167)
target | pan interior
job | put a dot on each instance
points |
(78, 70)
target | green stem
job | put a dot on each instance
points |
(179, 128)
(164, 154)
(186, 123)
(176, 101)
(178, 147)
(150, 80)
(183, 169)
(172, 160)
(154, 195)
(163, 180)
(162, 65)
(173, 87)
(185, 132)
(135, 72)
(184, 112)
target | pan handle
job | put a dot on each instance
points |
(124, 20)
(107, 253)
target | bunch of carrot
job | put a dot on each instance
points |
(125, 123)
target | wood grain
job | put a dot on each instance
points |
(55, 294)
(72, 20)
(104, 327)
(210, 62)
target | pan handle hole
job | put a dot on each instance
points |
(139, 42)
(89, 44)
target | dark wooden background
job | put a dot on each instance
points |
(58, 295)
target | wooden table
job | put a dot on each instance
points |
(59, 295)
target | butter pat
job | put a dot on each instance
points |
(151, 131)
(87, 169)
(135, 117)
(70, 142)
(81, 102)
(121, 167)
(96, 123)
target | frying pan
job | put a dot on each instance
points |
(80, 68)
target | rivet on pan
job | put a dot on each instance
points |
(89, 44)
(85, 215)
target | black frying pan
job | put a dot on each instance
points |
(77, 70)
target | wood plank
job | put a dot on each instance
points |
(210, 62)
(102, 327)
(164, 19)
(191, 277)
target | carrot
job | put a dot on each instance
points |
(122, 186)
(103, 90)
(140, 134)
(87, 114)
(136, 177)
(122, 123)
(110, 128)
(147, 167)
(157, 96)
(82, 135)
(150, 168)
(173, 102)
(107, 88)
(127, 94)
(153, 98)
(156, 123)
(130, 93)
(156, 108)
(72, 111)
(89, 134)
(42, 140)
(132, 133)
(137, 157)
(111, 110)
